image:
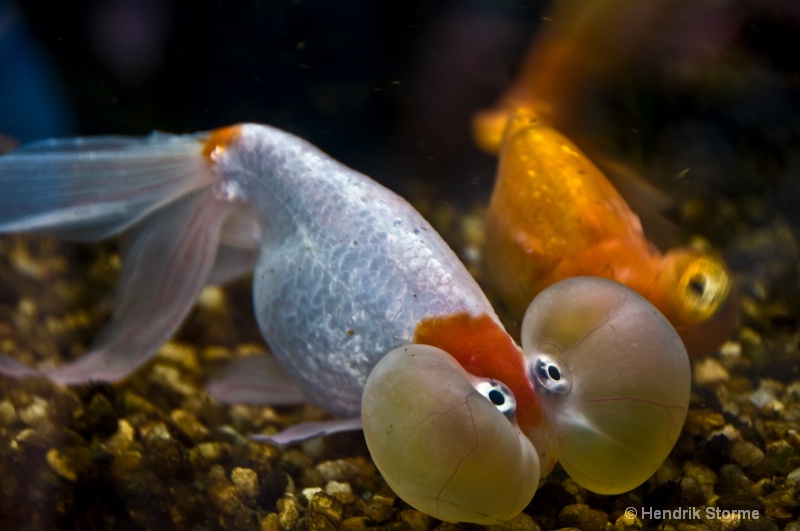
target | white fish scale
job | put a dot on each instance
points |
(347, 268)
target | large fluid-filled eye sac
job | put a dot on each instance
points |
(613, 378)
(443, 446)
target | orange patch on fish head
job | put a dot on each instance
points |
(484, 349)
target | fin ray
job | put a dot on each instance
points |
(91, 188)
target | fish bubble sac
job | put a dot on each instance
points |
(613, 378)
(443, 440)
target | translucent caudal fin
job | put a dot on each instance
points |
(91, 188)
(181, 233)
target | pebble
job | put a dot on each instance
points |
(288, 512)
(153, 431)
(379, 512)
(583, 517)
(384, 497)
(762, 488)
(8, 414)
(774, 409)
(246, 481)
(753, 345)
(243, 417)
(127, 461)
(313, 447)
(730, 351)
(336, 487)
(297, 459)
(793, 391)
(61, 465)
(793, 476)
(135, 403)
(708, 372)
(209, 452)
(779, 456)
(215, 353)
(786, 497)
(316, 522)
(172, 378)
(225, 496)
(122, 438)
(181, 354)
(188, 424)
(746, 453)
(777, 515)
(35, 413)
(521, 522)
(733, 480)
(766, 392)
(667, 473)
(701, 421)
(28, 435)
(338, 470)
(212, 298)
(270, 523)
(309, 492)
(328, 506)
(627, 523)
(698, 483)
(357, 523)
(413, 520)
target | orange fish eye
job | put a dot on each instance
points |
(703, 287)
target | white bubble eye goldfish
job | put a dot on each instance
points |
(610, 375)
(362, 304)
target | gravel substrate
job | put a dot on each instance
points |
(158, 453)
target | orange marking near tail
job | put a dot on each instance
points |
(219, 139)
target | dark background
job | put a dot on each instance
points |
(386, 87)
(389, 87)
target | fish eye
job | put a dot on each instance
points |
(697, 285)
(498, 394)
(551, 374)
(704, 286)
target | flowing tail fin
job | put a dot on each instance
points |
(91, 188)
(180, 233)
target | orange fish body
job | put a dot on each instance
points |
(554, 215)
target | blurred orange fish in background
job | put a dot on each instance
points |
(554, 214)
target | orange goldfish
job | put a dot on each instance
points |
(554, 215)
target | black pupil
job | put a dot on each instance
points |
(697, 285)
(553, 372)
(497, 397)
